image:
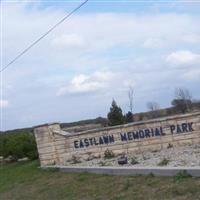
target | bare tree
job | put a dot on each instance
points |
(153, 106)
(154, 109)
(130, 97)
(183, 99)
(183, 93)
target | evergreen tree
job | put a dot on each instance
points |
(115, 116)
(129, 117)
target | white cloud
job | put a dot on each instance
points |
(90, 33)
(154, 43)
(192, 75)
(191, 38)
(4, 103)
(69, 40)
(87, 83)
(183, 57)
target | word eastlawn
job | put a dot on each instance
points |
(133, 135)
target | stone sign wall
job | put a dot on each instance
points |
(56, 147)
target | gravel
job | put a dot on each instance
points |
(185, 156)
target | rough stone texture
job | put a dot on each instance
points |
(180, 156)
(56, 147)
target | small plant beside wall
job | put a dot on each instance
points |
(134, 161)
(75, 160)
(170, 146)
(101, 163)
(181, 176)
(108, 154)
(164, 162)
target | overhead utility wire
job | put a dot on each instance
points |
(45, 34)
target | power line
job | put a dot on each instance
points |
(44, 35)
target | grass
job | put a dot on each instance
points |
(181, 175)
(25, 181)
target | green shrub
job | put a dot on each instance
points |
(134, 161)
(108, 154)
(101, 163)
(18, 145)
(163, 162)
(181, 175)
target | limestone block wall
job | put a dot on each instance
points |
(56, 147)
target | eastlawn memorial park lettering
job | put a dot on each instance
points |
(56, 146)
(133, 135)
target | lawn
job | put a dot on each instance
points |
(25, 181)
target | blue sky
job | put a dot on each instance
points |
(76, 71)
(128, 6)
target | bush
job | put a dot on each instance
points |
(163, 162)
(181, 175)
(18, 145)
(101, 163)
(134, 161)
(108, 154)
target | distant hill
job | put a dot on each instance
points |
(102, 122)
(99, 122)
(20, 130)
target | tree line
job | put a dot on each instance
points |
(182, 103)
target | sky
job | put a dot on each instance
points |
(94, 57)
